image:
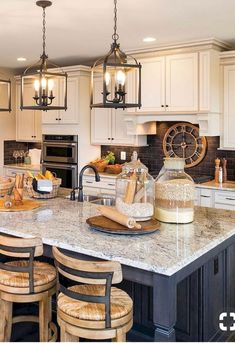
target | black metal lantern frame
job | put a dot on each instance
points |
(42, 78)
(114, 69)
(7, 84)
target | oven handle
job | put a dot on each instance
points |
(59, 144)
(62, 166)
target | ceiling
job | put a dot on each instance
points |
(78, 31)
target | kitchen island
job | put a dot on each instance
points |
(186, 273)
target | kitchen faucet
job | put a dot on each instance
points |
(80, 187)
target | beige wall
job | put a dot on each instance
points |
(7, 120)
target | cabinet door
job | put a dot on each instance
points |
(100, 119)
(153, 85)
(182, 82)
(229, 107)
(119, 129)
(71, 115)
(37, 125)
(25, 121)
(52, 116)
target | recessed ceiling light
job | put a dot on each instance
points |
(149, 39)
(21, 59)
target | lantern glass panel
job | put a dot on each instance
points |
(118, 81)
(44, 91)
(5, 95)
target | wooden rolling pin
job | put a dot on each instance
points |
(131, 189)
(118, 217)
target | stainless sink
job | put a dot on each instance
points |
(90, 198)
(107, 201)
(98, 200)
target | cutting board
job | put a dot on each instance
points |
(106, 225)
(27, 205)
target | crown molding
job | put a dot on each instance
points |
(200, 44)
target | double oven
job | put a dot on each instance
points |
(60, 156)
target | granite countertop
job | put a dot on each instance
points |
(62, 223)
(227, 186)
(23, 166)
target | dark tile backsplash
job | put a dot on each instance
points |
(152, 155)
(10, 146)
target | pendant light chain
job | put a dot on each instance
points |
(115, 34)
(44, 32)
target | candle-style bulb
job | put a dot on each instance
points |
(36, 85)
(107, 78)
(50, 85)
(120, 78)
(44, 83)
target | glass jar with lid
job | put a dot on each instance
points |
(135, 191)
(174, 193)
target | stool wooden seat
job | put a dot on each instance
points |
(26, 281)
(93, 309)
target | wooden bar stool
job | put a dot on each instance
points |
(26, 281)
(91, 309)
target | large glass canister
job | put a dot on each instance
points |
(174, 193)
(135, 191)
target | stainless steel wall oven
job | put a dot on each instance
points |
(60, 155)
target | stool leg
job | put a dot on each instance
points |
(66, 336)
(8, 319)
(121, 336)
(43, 319)
(49, 317)
(5, 320)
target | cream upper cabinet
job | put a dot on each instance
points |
(100, 118)
(28, 122)
(228, 139)
(168, 84)
(209, 81)
(153, 84)
(101, 126)
(182, 82)
(119, 129)
(70, 116)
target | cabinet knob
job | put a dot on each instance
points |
(59, 118)
(167, 105)
(112, 139)
(109, 139)
(162, 106)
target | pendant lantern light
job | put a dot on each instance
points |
(5, 95)
(113, 75)
(40, 85)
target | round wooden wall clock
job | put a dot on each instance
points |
(183, 140)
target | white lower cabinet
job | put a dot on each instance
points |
(107, 185)
(223, 199)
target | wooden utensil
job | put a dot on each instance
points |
(118, 217)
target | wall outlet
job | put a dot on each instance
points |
(123, 155)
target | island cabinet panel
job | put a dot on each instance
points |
(188, 309)
(231, 277)
(214, 296)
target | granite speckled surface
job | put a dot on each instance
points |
(227, 186)
(62, 223)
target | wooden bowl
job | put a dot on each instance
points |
(113, 169)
